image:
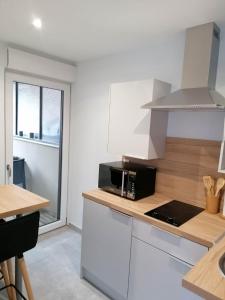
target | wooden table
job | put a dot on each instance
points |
(15, 201)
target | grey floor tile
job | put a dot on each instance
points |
(54, 267)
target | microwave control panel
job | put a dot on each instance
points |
(131, 185)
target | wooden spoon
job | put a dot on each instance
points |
(212, 185)
(209, 185)
(219, 185)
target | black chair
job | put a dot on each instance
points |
(16, 237)
(19, 177)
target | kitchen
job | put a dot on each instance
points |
(189, 149)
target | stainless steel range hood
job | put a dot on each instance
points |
(199, 73)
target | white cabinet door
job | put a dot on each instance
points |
(156, 275)
(134, 131)
(106, 244)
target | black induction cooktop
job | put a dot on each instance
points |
(175, 212)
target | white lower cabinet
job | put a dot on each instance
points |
(106, 244)
(130, 259)
(156, 275)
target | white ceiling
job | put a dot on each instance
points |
(78, 30)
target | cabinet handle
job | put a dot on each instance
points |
(168, 232)
(119, 212)
(181, 261)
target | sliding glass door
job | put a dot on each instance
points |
(37, 139)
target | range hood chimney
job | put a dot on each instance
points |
(199, 73)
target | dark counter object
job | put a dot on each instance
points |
(129, 180)
(175, 212)
(19, 172)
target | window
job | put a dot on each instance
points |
(51, 115)
(37, 112)
(28, 103)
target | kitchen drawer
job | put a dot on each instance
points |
(173, 244)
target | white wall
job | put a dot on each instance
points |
(202, 125)
(90, 109)
(21, 61)
(42, 165)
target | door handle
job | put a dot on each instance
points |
(9, 170)
(180, 261)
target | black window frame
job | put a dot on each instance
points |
(40, 133)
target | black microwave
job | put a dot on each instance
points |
(126, 179)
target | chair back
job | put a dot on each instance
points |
(19, 177)
(18, 236)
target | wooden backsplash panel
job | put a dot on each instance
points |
(179, 174)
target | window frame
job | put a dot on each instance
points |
(40, 133)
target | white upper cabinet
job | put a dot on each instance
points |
(134, 131)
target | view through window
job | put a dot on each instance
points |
(37, 112)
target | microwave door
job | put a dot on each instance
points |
(118, 182)
(115, 179)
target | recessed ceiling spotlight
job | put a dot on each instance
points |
(37, 23)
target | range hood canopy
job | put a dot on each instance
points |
(199, 73)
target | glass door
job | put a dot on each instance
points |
(37, 122)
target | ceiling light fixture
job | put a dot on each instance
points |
(37, 23)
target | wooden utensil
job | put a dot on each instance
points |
(212, 183)
(213, 193)
(219, 185)
(209, 185)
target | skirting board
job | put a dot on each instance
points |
(76, 228)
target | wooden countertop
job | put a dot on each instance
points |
(205, 229)
(15, 200)
(205, 279)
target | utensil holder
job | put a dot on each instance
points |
(212, 204)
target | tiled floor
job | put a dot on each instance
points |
(54, 267)
(46, 218)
